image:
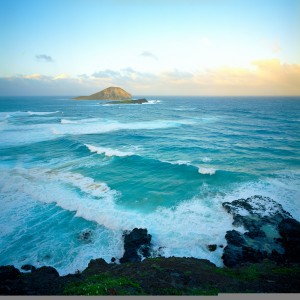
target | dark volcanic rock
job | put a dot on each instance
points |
(289, 229)
(253, 255)
(138, 101)
(137, 244)
(212, 247)
(255, 233)
(8, 273)
(85, 236)
(233, 254)
(265, 221)
(235, 238)
(96, 266)
(28, 268)
(46, 272)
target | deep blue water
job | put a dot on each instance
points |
(68, 166)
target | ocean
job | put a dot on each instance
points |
(75, 174)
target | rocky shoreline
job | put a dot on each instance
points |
(263, 259)
(129, 101)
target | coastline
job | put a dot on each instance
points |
(247, 269)
(155, 276)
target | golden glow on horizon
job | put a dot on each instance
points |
(260, 77)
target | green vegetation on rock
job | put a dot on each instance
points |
(103, 285)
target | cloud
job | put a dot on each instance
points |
(148, 54)
(122, 76)
(44, 57)
(34, 76)
(61, 76)
(261, 77)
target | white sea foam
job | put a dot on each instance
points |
(201, 170)
(11, 114)
(14, 135)
(285, 190)
(181, 230)
(152, 102)
(41, 113)
(206, 171)
(177, 162)
(22, 215)
(65, 121)
(108, 151)
(182, 162)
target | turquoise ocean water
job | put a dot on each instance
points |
(69, 167)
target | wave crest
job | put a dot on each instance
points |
(206, 171)
(108, 151)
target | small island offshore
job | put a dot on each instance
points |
(117, 94)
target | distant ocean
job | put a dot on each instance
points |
(75, 174)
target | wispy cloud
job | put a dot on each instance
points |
(149, 54)
(44, 57)
(34, 76)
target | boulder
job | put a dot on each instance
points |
(212, 247)
(95, 266)
(46, 272)
(8, 273)
(137, 244)
(264, 221)
(28, 268)
(235, 238)
(85, 236)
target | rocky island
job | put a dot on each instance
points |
(117, 94)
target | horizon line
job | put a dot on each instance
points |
(157, 95)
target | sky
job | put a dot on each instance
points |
(157, 47)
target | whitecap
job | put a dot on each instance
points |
(206, 171)
(108, 151)
(152, 102)
(41, 113)
(177, 162)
